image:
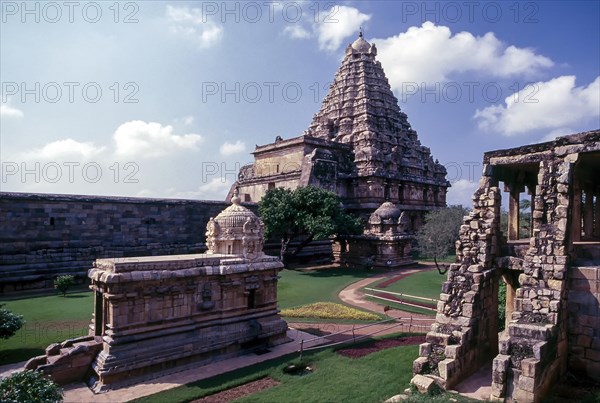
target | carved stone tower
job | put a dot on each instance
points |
(359, 145)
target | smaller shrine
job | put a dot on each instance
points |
(386, 241)
(157, 314)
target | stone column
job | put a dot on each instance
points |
(597, 214)
(576, 212)
(588, 212)
(513, 214)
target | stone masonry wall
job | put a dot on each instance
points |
(45, 235)
(584, 321)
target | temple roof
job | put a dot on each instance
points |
(362, 111)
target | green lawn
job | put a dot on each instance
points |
(302, 287)
(426, 284)
(372, 378)
(50, 319)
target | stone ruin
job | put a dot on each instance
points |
(552, 275)
(159, 313)
(360, 145)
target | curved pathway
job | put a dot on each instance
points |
(353, 296)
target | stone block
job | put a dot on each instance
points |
(453, 351)
(526, 383)
(500, 363)
(447, 368)
(423, 384)
(424, 349)
(592, 354)
(529, 367)
(498, 391)
(419, 364)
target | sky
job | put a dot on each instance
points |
(169, 99)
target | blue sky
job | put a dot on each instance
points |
(168, 99)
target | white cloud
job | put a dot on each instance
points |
(337, 24)
(228, 148)
(430, 54)
(461, 192)
(549, 105)
(186, 120)
(562, 131)
(297, 31)
(151, 139)
(7, 111)
(215, 189)
(191, 23)
(66, 148)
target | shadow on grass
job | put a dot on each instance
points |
(75, 296)
(18, 354)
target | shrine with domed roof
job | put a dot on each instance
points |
(155, 314)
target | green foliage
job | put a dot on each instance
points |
(10, 323)
(437, 236)
(501, 305)
(29, 386)
(309, 212)
(63, 283)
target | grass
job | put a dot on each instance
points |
(426, 284)
(372, 378)
(50, 319)
(303, 287)
(328, 310)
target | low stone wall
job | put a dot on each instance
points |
(46, 235)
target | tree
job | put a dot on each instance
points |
(437, 236)
(10, 323)
(29, 386)
(63, 283)
(309, 212)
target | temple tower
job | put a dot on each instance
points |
(359, 145)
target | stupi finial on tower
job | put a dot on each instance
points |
(360, 32)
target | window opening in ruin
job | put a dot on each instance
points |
(516, 223)
(585, 192)
(229, 249)
(271, 185)
(51, 220)
(251, 299)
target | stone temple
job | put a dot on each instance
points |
(156, 313)
(359, 145)
(552, 275)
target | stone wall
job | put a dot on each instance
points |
(45, 235)
(584, 320)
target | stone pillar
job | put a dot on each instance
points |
(597, 214)
(576, 212)
(513, 214)
(588, 213)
